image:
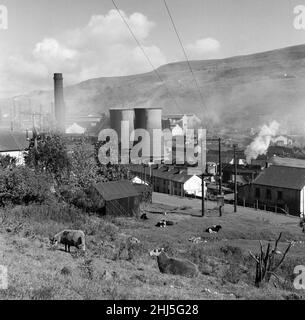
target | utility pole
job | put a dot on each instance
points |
(235, 179)
(220, 167)
(202, 194)
(220, 178)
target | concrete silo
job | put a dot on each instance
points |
(150, 119)
(119, 115)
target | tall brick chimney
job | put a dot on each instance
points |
(59, 103)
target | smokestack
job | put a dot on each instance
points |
(59, 104)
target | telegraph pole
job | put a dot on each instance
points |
(235, 179)
(202, 194)
(220, 178)
(220, 167)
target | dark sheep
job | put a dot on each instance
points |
(144, 216)
(174, 266)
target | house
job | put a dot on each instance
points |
(277, 188)
(14, 145)
(169, 179)
(121, 198)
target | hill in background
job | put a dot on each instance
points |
(239, 92)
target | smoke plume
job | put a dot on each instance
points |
(261, 143)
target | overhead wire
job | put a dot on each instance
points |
(147, 57)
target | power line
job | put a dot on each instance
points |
(145, 54)
(185, 55)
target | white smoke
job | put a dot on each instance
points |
(261, 143)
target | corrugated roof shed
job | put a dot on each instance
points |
(283, 177)
(116, 190)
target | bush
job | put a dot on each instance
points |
(22, 185)
(85, 199)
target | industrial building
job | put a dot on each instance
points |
(150, 119)
(277, 188)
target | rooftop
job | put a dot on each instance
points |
(290, 162)
(116, 190)
(283, 177)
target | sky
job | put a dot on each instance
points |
(86, 39)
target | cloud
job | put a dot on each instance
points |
(103, 47)
(203, 48)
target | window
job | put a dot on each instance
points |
(257, 193)
(280, 195)
(268, 194)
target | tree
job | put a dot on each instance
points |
(110, 172)
(266, 264)
(49, 153)
(84, 168)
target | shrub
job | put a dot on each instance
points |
(22, 185)
(86, 199)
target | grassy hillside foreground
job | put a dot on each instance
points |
(115, 268)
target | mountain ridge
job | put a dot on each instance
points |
(239, 92)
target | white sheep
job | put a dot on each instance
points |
(69, 238)
(174, 266)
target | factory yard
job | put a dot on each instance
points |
(115, 268)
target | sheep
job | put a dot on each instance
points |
(75, 238)
(213, 229)
(144, 216)
(163, 223)
(174, 266)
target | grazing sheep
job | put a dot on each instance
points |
(213, 229)
(174, 266)
(69, 238)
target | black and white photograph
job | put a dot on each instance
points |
(152, 151)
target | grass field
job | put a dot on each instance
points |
(114, 268)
